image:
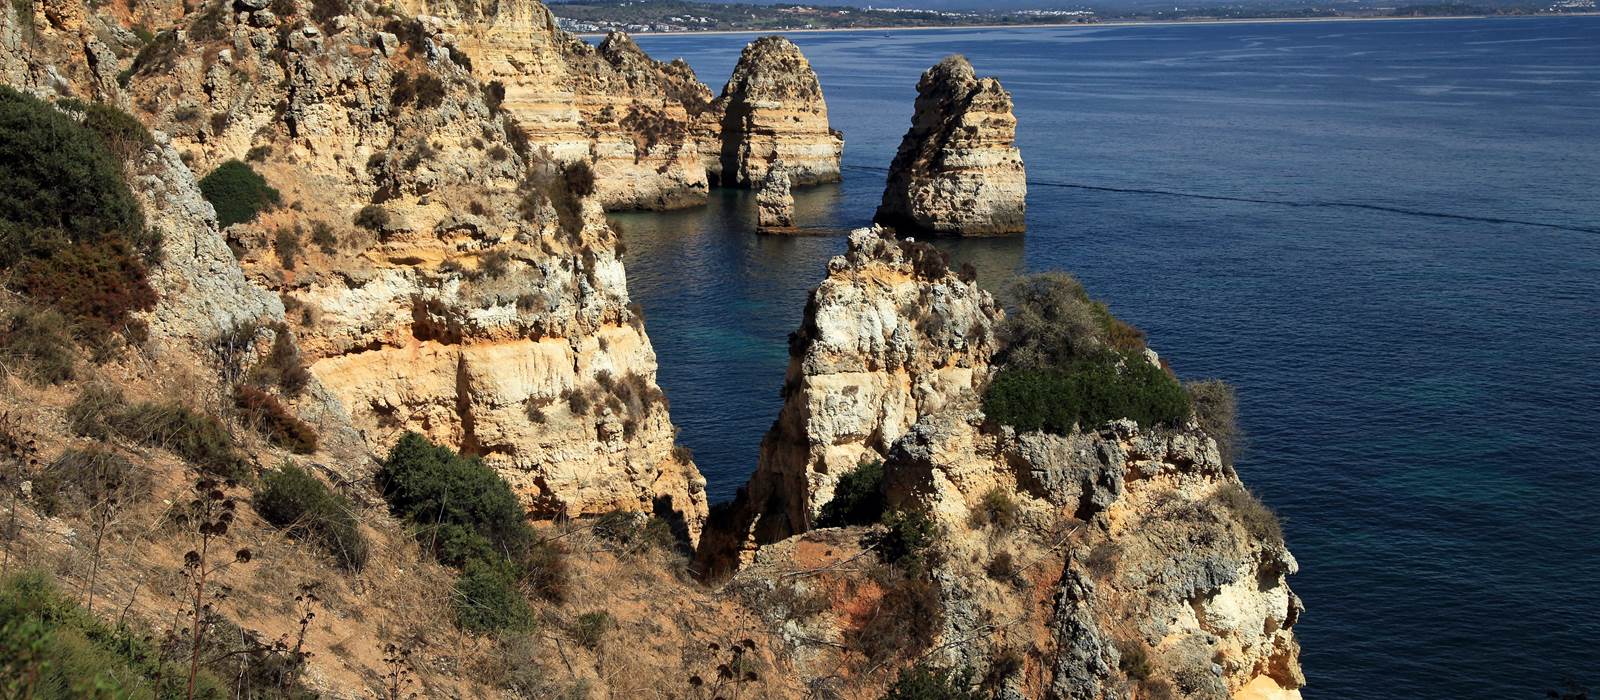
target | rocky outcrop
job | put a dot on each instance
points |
(1117, 561)
(639, 121)
(958, 171)
(774, 202)
(772, 109)
(443, 273)
(890, 336)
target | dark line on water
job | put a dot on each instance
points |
(1290, 203)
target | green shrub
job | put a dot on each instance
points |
(82, 478)
(199, 439)
(590, 628)
(432, 485)
(1086, 393)
(36, 341)
(924, 682)
(487, 600)
(121, 133)
(372, 218)
(907, 539)
(292, 499)
(275, 420)
(857, 499)
(1216, 408)
(997, 508)
(237, 192)
(51, 648)
(59, 175)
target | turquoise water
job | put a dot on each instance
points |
(1419, 376)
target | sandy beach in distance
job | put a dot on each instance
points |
(1087, 25)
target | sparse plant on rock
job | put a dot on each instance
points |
(238, 193)
(857, 499)
(211, 514)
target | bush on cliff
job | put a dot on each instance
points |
(237, 192)
(1069, 363)
(1084, 394)
(464, 512)
(857, 499)
(198, 438)
(925, 682)
(292, 499)
(36, 342)
(70, 229)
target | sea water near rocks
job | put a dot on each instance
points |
(1421, 393)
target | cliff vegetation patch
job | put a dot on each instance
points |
(1069, 364)
(238, 193)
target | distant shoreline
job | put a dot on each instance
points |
(1115, 23)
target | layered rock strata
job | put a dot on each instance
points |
(958, 171)
(774, 202)
(443, 273)
(772, 109)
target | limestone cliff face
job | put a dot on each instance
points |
(890, 336)
(957, 171)
(442, 274)
(640, 121)
(772, 109)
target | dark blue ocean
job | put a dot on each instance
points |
(1421, 392)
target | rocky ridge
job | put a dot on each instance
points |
(957, 171)
(772, 109)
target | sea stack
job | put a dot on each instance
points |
(958, 171)
(774, 201)
(772, 109)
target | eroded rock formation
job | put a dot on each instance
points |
(443, 273)
(774, 201)
(772, 109)
(890, 336)
(958, 171)
(1120, 561)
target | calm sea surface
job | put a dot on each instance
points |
(1421, 393)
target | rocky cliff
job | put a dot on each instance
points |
(1114, 561)
(447, 273)
(772, 109)
(775, 201)
(640, 121)
(957, 171)
(890, 336)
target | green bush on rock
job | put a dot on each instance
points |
(292, 499)
(237, 192)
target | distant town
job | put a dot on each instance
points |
(659, 16)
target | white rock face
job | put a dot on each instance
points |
(958, 171)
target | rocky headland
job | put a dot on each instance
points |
(773, 110)
(331, 290)
(958, 171)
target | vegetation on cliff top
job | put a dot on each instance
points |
(1068, 363)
